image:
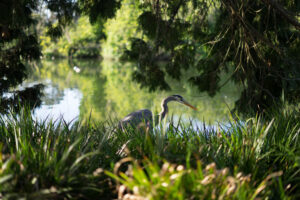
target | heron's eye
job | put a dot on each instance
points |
(178, 97)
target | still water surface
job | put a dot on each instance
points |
(102, 90)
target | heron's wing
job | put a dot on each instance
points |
(137, 117)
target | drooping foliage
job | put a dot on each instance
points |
(256, 41)
(19, 39)
(18, 42)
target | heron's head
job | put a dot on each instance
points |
(180, 99)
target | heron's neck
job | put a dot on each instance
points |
(163, 112)
(164, 107)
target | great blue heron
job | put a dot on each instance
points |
(145, 116)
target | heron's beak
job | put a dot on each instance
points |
(189, 105)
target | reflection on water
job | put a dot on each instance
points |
(67, 107)
(104, 90)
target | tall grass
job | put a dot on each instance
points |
(257, 158)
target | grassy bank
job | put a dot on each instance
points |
(258, 159)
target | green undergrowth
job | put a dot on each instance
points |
(253, 159)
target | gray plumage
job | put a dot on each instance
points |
(145, 118)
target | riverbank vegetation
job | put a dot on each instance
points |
(78, 41)
(254, 159)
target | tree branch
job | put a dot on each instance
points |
(175, 11)
(284, 13)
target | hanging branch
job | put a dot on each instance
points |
(175, 11)
(286, 14)
(157, 12)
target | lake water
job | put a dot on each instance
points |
(103, 90)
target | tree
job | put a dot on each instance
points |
(19, 41)
(258, 41)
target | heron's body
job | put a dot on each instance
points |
(135, 118)
(145, 117)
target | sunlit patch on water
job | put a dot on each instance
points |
(66, 106)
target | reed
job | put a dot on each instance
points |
(256, 158)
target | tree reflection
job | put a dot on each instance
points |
(108, 92)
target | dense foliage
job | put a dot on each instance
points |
(18, 42)
(255, 159)
(20, 24)
(80, 40)
(257, 42)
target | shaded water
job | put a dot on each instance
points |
(102, 90)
